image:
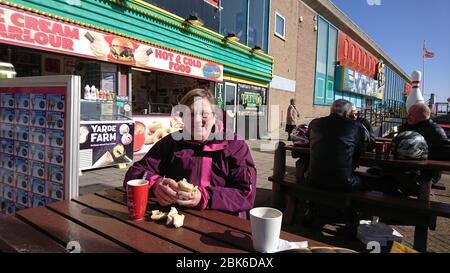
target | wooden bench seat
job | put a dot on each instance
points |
(357, 200)
(288, 190)
(364, 205)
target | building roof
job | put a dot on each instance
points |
(334, 15)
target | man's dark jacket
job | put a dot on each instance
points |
(336, 143)
(438, 143)
(368, 127)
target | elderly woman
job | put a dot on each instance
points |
(221, 167)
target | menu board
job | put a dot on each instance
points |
(33, 147)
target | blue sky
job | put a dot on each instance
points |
(399, 27)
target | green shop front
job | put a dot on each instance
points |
(135, 60)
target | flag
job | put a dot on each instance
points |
(428, 54)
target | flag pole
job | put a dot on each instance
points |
(423, 68)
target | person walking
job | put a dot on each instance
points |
(291, 118)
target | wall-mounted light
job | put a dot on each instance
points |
(315, 28)
(141, 70)
(232, 37)
(300, 19)
(257, 49)
(194, 20)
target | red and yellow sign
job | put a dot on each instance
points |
(26, 29)
(354, 56)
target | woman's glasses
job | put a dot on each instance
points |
(204, 115)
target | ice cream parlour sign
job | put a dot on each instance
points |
(36, 31)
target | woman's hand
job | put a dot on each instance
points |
(189, 199)
(166, 191)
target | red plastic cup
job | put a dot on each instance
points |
(137, 196)
(387, 149)
(379, 147)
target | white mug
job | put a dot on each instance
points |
(266, 228)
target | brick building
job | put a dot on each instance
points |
(320, 55)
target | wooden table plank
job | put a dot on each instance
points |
(370, 159)
(187, 238)
(233, 222)
(117, 231)
(17, 236)
(245, 226)
(64, 230)
(229, 235)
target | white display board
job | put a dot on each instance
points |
(39, 141)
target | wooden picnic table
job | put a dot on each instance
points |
(100, 223)
(371, 159)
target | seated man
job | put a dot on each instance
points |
(409, 181)
(355, 116)
(336, 143)
(419, 121)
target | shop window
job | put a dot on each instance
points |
(52, 65)
(207, 11)
(331, 63)
(359, 102)
(327, 38)
(251, 98)
(321, 64)
(353, 99)
(233, 18)
(26, 64)
(99, 76)
(155, 93)
(280, 24)
(258, 23)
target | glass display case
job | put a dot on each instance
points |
(101, 111)
(106, 128)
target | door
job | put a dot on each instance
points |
(231, 101)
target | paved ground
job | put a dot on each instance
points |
(438, 241)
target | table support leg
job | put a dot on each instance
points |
(289, 212)
(279, 169)
(421, 232)
(420, 238)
